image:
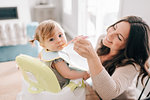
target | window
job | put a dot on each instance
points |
(100, 14)
(95, 16)
(67, 6)
(107, 14)
(91, 17)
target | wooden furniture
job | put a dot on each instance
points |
(44, 12)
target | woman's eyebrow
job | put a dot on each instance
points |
(122, 36)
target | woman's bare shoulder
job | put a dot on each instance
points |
(99, 41)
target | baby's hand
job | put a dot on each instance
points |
(86, 75)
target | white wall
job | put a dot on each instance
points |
(32, 3)
(70, 22)
(58, 4)
(135, 7)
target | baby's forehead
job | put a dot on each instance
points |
(58, 27)
(58, 30)
(57, 33)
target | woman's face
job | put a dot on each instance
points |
(117, 36)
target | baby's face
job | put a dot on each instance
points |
(56, 42)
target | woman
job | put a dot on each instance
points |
(120, 57)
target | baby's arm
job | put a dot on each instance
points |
(39, 55)
(64, 70)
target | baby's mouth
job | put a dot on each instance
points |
(64, 45)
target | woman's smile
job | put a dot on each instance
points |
(108, 40)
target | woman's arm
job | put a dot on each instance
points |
(85, 49)
(63, 69)
(108, 87)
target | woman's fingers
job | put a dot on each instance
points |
(80, 44)
(83, 47)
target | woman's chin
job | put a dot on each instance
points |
(105, 43)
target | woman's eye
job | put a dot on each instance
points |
(119, 38)
(51, 39)
(60, 35)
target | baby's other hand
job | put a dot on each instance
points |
(86, 75)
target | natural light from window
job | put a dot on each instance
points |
(67, 6)
(101, 14)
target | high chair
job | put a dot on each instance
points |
(40, 83)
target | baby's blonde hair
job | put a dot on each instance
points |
(45, 30)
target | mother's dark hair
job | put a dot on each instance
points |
(137, 48)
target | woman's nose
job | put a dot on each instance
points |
(111, 35)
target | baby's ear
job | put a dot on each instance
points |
(41, 44)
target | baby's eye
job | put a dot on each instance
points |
(51, 39)
(60, 35)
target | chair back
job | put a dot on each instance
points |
(39, 76)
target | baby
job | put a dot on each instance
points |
(52, 38)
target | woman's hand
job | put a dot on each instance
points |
(83, 47)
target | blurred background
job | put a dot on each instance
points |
(19, 19)
(87, 17)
